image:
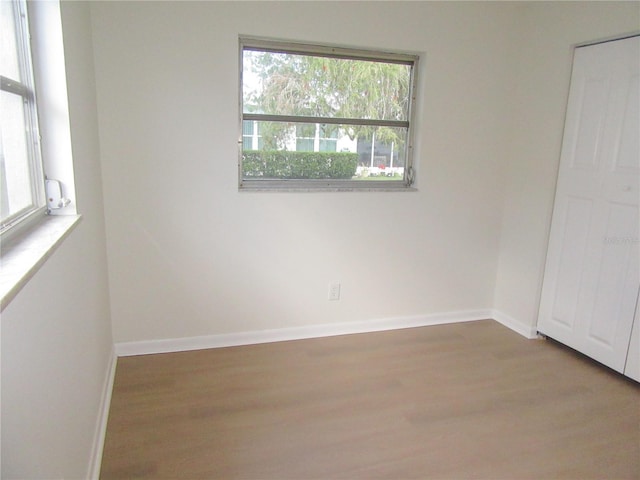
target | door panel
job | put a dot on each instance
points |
(592, 275)
(590, 122)
(630, 142)
(570, 259)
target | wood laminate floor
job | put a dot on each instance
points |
(469, 400)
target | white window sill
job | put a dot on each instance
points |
(23, 255)
(325, 189)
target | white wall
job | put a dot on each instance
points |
(549, 31)
(189, 255)
(56, 334)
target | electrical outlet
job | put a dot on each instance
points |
(334, 291)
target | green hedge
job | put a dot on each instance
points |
(298, 165)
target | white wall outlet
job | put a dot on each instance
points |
(334, 291)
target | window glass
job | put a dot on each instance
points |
(21, 180)
(290, 84)
(350, 108)
(15, 156)
(8, 42)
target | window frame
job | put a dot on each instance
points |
(26, 89)
(26, 246)
(300, 48)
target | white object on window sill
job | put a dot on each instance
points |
(22, 255)
(55, 199)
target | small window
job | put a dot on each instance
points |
(324, 117)
(21, 177)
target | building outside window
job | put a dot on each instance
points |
(316, 137)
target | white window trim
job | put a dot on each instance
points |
(49, 68)
(307, 185)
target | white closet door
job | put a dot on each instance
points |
(592, 273)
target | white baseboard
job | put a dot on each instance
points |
(517, 326)
(295, 333)
(147, 347)
(103, 417)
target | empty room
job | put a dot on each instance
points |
(320, 239)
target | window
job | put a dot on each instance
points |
(324, 117)
(21, 177)
(32, 55)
